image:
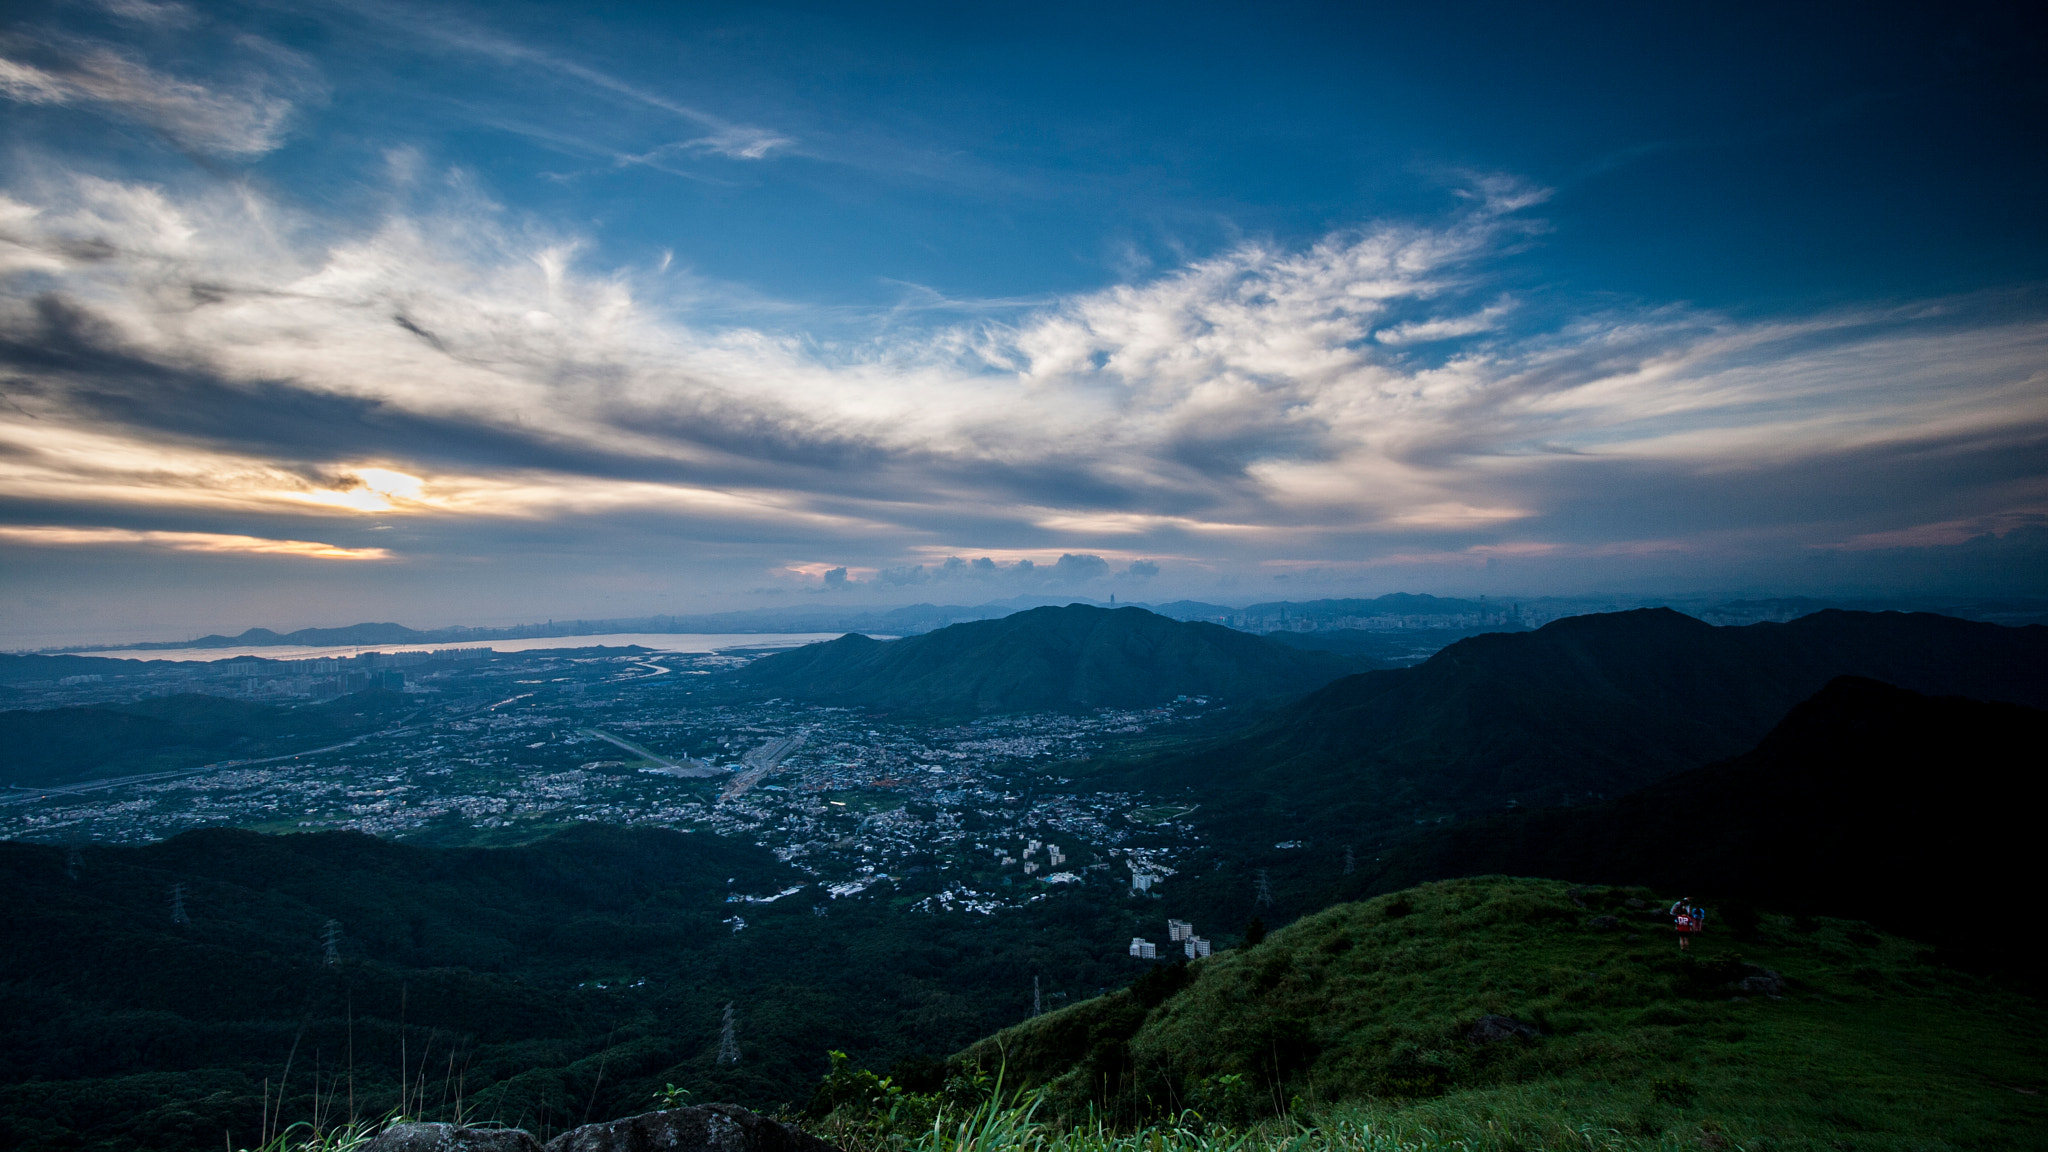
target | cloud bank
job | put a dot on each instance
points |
(1376, 399)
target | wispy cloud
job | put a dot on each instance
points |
(61, 537)
(246, 121)
(453, 33)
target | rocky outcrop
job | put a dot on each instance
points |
(452, 1138)
(1493, 1028)
(704, 1128)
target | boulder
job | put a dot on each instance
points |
(1604, 923)
(703, 1128)
(1493, 1028)
(1759, 981)
(452, 1138)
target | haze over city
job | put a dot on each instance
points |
(448, 313)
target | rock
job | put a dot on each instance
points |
(452, 1138)
(1492, 1028)
(703, 1128)
(1577, 896)
(1633, 902)
(1760, 981)
(1604, 922)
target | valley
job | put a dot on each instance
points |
(561, 869)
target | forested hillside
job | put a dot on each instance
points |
(1584, 709)
(1072, 657)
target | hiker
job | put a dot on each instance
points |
(1688, 919)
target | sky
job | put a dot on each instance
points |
(318, 311)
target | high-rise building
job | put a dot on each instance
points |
(1144, 949)
(1178, 930)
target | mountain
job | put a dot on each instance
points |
(1511, 1013)
(1915, 813)
(63, 745)
(1585, 708)
(1073, 657)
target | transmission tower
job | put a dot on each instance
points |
(178, 905)
(1350, 861)
(728, 1042)
(1037, 1005)
(330, 942)
(71, 862)
(1264, 897)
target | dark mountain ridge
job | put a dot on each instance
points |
(62, 745)
(1585, 708)
(1078, 656)
(1916, 813)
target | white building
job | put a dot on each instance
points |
(1178, 930)
(1144, 949)
(1196, 946)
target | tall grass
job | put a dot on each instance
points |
(1016, 1125)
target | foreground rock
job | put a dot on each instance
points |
(704, 1128)
(1492, 1029)
(452, 1138)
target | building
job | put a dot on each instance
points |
(1178, 930)
(1144, 949)
(1196, 946)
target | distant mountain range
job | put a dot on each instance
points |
(1919, 814)
(1399, 612)
(1584, 709)
(1047, 658)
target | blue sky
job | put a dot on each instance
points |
(314, 312)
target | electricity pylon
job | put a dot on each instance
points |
(728, 1040)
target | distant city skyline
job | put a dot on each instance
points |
(325, 311)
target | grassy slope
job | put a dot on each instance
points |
(1363, 1007)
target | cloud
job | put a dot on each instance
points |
(451, 33)
(59, 537)
(243, 123)
(198, 349)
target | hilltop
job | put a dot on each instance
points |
(1867, 801)
(1078, 656)
(1527, 1013)
(1584, 709)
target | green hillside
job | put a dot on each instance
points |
(1381, 1007)
(1048, 658)
(1585, 708)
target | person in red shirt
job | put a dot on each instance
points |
(1688, 918)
